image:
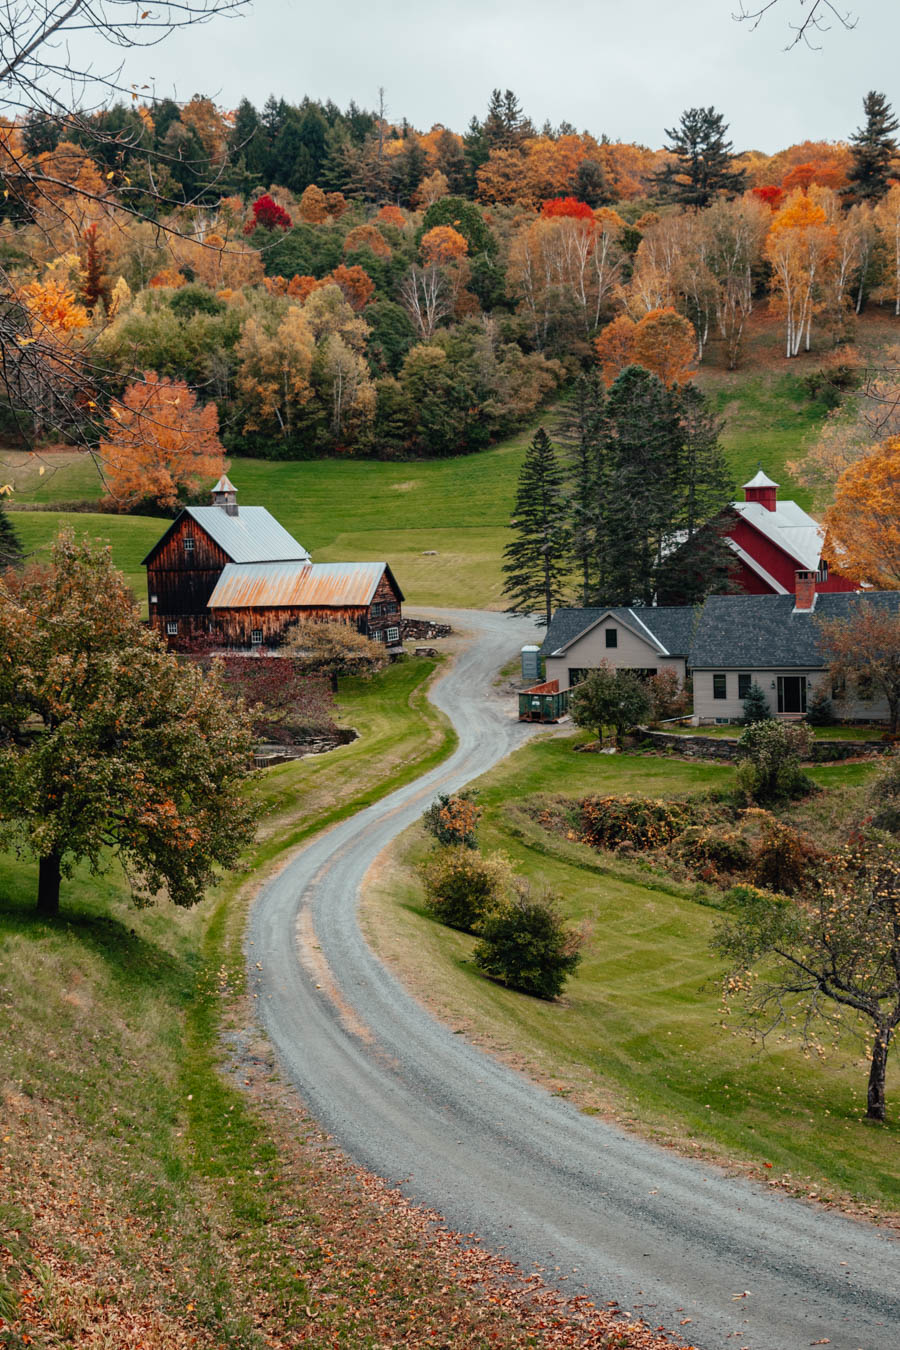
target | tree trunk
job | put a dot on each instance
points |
(48, 885)
(875, 1096)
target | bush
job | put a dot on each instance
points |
(453, 819)
(461, 886)
(612, 698)
(527, 945)
(782, 858)
(756, 707)
(642, 822)
(668, 696)
(772, 752)
(884, 796)
(722, 852)
(820, 711)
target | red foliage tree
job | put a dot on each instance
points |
(567, 206)
(772, 195)
(268, 214)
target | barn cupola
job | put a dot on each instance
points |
(761, 489)
(224, 494)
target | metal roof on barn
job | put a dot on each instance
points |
(269, 585)
(251, 536)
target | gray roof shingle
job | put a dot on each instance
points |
(762, 631)
(671, 625)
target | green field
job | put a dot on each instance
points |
(640, 1034)
(441, 524)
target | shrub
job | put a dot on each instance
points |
(668, 696)
(772, 752)
(642, 822)
(607, 697)
(453, 819)
(461, 886)
(820, 711)
(527, 945)
(782, 858)
(756, 707)
(884, 796)
(727, 852)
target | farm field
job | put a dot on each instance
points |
(640, 1035)
(441, 524)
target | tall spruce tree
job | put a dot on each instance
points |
(536, 560)
(10, 547)
(582, 434)
(703, 168)
(874, 151)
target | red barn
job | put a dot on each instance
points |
(237, 576)
(773, 540)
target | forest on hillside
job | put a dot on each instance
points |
(305, 280)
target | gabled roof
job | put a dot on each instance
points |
(304, 585)
(789, 527)
(667, 628)
(253, 535)
(763, 632)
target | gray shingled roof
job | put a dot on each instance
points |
(252, 536)
(671, 625)
(762, 631)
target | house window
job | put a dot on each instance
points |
(375, 611)
(720, 685)
(744, 682)
(256, 637)
(822, 574)
(393, 635)
(188, 543)
(576, 675)
(612, 637)
(172, 627)
(839, 689)
(865, 689)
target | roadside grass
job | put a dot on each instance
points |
(145, 1198)
(640, 1034)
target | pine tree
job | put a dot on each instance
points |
(703, 169)
(582, 433)
(536, 561)
(10, 548)
(873, 149)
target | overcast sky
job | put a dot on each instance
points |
(624, 67)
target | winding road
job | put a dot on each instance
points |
(496, 1155)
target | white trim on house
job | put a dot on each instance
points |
(616, 618)
(758, 568)
(663, 650)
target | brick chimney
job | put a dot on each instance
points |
(224, 494)
(762, 489)
(804, 592)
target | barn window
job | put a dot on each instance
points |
(188, 543)
(375, 611)
(612, 637)
(393, 635)
(172, 627)
(720, 686)
(256, 637)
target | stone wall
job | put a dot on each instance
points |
(717, 747)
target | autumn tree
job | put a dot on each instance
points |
(863, 649)
(664, 343)
(273, 375)
(863, 524)
(830, 956)
(367, 237)
(110, 747)
(333, 649)
(703, 156)
(313, 206)
(874, 150)
(159, 445)
(535, 563)
(614, 347)
(268, 215)
(801, 248)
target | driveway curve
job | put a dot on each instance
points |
(498, 1156)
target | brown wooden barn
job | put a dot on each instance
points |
(238, 577)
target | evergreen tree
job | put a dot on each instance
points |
(537, 558)
(873, 149)
(703, 169)
(756, 707)
(505, 125)
(583, 435)
(476, 150)
(10, 548)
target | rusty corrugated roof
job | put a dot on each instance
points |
(311, 585)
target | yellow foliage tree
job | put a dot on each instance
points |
(274, 370)
(443, 244)
(864, 523)
(52, 307)
(665, 343)
(801, 247)
(159, 444)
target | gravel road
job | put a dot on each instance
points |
(408, 1099)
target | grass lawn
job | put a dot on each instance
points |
(640, 1034)
(130, 537)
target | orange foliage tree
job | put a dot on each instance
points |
(864, 523)
(52, 306)
(366, 236)
(443, 244)
(392, 215)
(614, 347)
(313, 208)
(159, 444)
(665, 343)
(801, 246)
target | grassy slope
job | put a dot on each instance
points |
(640, 1033)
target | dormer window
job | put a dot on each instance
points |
(188, 543)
